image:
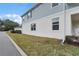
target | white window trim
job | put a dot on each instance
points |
(33, 28)
(56, 19)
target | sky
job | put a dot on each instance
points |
(13, 11)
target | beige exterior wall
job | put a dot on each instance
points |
(44, 25)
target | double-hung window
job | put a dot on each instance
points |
(33, 27)
(54, 4)
(55, 23)
(29, 15)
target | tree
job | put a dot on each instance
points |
(1, 22)
(10, 25)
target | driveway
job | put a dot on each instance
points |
(6, 46)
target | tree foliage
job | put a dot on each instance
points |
(1, 22)
(9, 25)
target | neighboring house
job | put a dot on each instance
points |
(53, 20)
(2, 27)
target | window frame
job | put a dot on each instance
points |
(54, 5)
(33, 27)
(55, 23)
(29, 15)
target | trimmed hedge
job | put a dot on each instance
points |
(16, 31)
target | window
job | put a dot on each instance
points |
(33, 27)
(23, 18)
(54, 4)
(29, 15)
(55, 24)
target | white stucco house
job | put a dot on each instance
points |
(53, 20)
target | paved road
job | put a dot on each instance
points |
(6, 46)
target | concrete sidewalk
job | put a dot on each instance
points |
(6, 46)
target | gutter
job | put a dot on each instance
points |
(35, 6)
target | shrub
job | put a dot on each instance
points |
(73, 40)
(16, 31)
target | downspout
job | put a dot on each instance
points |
(64, 7)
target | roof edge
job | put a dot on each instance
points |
(31, 9)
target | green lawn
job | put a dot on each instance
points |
(41, 46)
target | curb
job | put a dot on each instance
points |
(17, 47)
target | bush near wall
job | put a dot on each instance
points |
(16, 31)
